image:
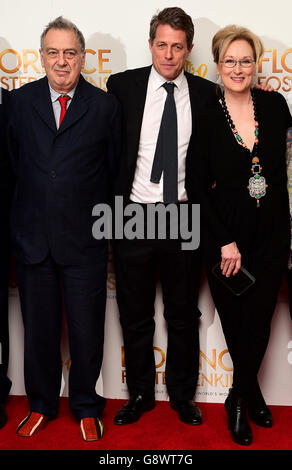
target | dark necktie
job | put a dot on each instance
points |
(63, 102)
(165, 158)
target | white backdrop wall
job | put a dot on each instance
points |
(116, 36)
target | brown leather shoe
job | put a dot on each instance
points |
(32, 424)
(91, 429)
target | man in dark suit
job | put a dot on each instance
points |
(142, 96)
(64, 137)
(6, 188)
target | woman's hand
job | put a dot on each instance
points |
(230, 259)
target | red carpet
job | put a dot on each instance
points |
(158, 429)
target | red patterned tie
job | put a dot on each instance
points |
(63, 102)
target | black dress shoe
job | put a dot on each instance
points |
(133, 410)
(258, 411)
(3, 416)
(261, 415)
(188, 412)
(236, 407)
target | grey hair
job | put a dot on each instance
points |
(63, 23)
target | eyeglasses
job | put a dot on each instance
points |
(230, 63)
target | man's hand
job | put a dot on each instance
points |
(264, 86)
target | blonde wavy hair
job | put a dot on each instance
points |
(225, 36)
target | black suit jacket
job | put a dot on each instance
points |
(6, 174)
(130, 87)
(61, 174)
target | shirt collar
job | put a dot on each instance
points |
(157, 79)
(55, 94)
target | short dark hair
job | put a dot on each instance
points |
(63, 23)
(177, 19)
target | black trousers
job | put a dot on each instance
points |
(5, 383)
(138, 265)
(43, 288)
(246, 322)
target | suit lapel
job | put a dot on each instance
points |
(138, 93)
(135, 110)
(43, 104)
(194, 99)
(44, 108)
(77, 108)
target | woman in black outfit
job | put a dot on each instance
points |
(244, 202)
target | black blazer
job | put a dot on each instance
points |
(61, 174)
(6, 174)
(130, 87)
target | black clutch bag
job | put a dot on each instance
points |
(236, 284)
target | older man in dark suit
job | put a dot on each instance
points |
(64, 137)
(6, 188)
(160, 102)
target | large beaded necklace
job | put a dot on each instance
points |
(257, 183)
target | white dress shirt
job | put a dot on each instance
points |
(56, 103)
(143, 190)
